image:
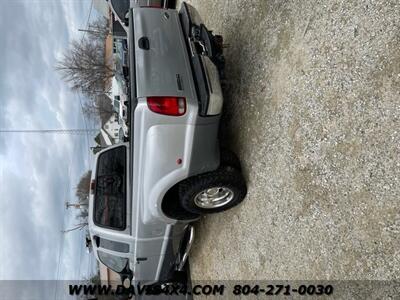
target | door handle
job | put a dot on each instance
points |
(144, 43)
(139, 259)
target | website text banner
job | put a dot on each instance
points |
(261, 289)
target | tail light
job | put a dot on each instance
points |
(171, 106)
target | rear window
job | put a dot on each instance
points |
(110, 194)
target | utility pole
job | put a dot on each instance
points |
(87, 30)
(79, 226)
(74, 205)
(93, 31)
(56, 131)
(97, 92)
(98, 148)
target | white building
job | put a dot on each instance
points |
(117, 91)
(116, 94)
(118, 98)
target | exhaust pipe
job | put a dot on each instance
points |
(185, 255)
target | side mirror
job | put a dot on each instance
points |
(126, 277)
(126, 283)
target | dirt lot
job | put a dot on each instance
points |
(312, 109)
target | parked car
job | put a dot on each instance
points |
(146, 193)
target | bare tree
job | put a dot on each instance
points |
(82, 215)
(83, 187)
(99, 28)
(85, 65)
(100, 107)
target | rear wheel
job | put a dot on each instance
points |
(172, 208)
(212, 192)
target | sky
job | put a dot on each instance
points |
(38, 172)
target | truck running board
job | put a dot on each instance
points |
(189, 238)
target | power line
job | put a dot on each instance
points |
(88, 20)
(62, 241)
(61, 251)
(80, 257)
(85, 122)
(85, 132)
(89, 265)
(77, 131)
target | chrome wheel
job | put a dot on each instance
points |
(214, 197)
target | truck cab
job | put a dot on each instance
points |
(109, 220)
(121, 240)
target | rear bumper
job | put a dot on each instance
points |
(205, 73)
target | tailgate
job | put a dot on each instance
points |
(161, 68)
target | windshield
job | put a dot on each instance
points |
(115, 263)
(110, 196)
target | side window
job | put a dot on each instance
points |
(113, 245)
(110, 193)
(115, 263)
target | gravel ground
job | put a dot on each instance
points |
(312, 109)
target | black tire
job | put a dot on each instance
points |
(172, 208)
(183, 215)
(229, 159)
(179, 279)
(219, 43)
(227, 178)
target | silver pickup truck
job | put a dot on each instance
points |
(146, 193)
